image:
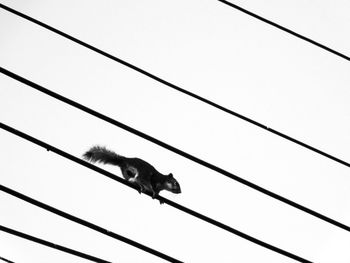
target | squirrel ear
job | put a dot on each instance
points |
(170, 175)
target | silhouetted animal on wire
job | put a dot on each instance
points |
(136, 171)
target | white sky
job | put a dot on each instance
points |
(212, 50)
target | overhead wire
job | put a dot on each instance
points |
(173, 149)
(160, 198)
(6, 260)
(52, 245)
(175, 87)
(311, 41)
(87, 224)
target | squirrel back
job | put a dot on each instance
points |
(135, 170)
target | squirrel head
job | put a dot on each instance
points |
(171, 184)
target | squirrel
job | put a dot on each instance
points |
(136, 171)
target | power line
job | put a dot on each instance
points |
(87, 224)
(52, 245)
(173, 149)
(285, 29)
(160, 198)
(173, 86)
(6, 260)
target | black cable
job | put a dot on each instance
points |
(6, 260)
(285, 29)
(87, 224)
(160, 198)
(52, 245)
(173, 86)
(175, 150)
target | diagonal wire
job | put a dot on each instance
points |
(160, 198)
(175, 150)
(173, 86)
(6, 260)
(87, 224)
(337, 53)
(52, 245)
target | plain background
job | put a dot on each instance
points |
(210, 49)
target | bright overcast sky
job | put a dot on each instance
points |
(212, 50)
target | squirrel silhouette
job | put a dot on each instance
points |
(136, 171)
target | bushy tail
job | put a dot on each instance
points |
(103, 155)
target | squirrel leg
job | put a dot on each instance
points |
(146, 187)
(156, 193)
(160, 200)
(136, 182)
(142, 188)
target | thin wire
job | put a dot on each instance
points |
(6, 260)
(285, 29)
(52, 245)
(175, 150)
(173, 86)
(160, 198)
(87, 224)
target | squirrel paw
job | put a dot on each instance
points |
(154, 195)
(141, 189)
